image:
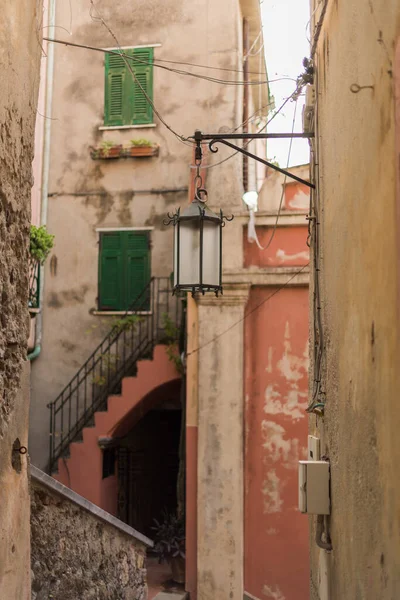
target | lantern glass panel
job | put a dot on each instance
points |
(189, 252)
(211, 253)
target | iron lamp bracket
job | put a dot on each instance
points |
(224, 138)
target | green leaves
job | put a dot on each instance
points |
(169, 537)
(41, 243)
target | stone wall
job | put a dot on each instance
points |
(19, 65)
(79, 551)
(356, 163)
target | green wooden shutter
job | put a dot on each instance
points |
(111, 271)
(142, 109)
(115, 84)
(125, 94)
(137, 270)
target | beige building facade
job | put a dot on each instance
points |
(91, 197)
(20, 82)
(355, 240)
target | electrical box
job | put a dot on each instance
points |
(308, 109)
(314, 452)
(314, 494)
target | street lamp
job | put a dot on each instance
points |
(198, 230)
(198, 247)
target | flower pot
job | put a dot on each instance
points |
(104, 153)
(138, 151)
(178, 569)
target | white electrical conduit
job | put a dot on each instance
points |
(44, 201)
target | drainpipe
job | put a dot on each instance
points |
(46, 161)
(246, 98)
(35, 353)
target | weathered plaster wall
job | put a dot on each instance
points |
(276, 534)
(357, 160)
(19, 65)
(79, 551)
(186, 32)
(276, 564)
(220, 446)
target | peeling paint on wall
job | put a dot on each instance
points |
(273, 592)
(286, 451)
(281, 257)
(276, 535)
(271, 490)
(300, 201)
(291, 366)
(293, 405)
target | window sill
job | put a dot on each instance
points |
(111, 127)
(118, 313)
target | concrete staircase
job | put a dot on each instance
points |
(82, 470)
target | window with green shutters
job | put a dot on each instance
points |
(124, 270)
(125, 95)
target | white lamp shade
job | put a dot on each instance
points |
(187, 269)
(211, 253)
(197, 249)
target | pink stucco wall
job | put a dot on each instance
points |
(276, 561)
(276, 534)
(287, 249)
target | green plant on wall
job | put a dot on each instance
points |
(172, 337)
(107, 364)
(142, 142)
(126, 323)
(41, 243)
(106, 146)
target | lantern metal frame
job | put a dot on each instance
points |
(197, 211)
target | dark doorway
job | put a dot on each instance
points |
(148, 464)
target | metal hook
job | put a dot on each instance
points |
(197, 194)
(21, 449)
(355, 88)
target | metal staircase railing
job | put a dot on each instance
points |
(131, 338)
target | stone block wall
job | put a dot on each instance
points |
(20, 50)
(79, 551)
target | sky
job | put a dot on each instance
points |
(286, 44)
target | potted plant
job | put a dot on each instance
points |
(40, 244)
(170, 544)
(107, 149)
(142, 147)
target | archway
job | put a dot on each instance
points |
(146, 446)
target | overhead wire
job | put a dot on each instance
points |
(317, 402)
(278, 214)
(189, 64)
(153, 63)
(123, 55)
(296, 92)
(180, 137)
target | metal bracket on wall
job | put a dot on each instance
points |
(222, 138)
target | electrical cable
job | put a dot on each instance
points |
(180, 137)
(154, 62)
(318, 396)
(282, 194)
(120, 53)
(296, 92)
(274, 293)
(199, 66)
(317, 31)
